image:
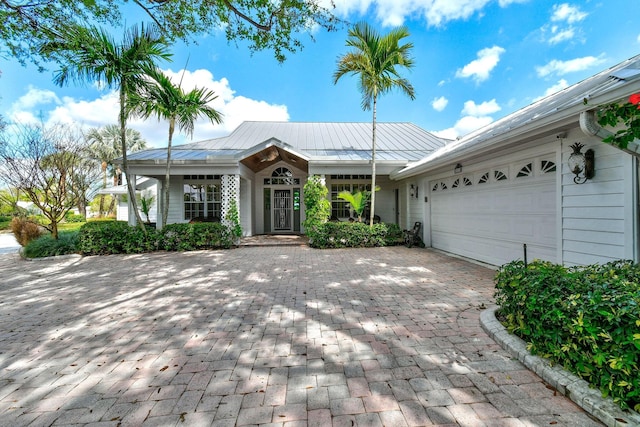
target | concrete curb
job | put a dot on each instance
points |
(565, 382)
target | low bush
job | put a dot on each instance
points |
(71, 217)
(45, 246)
(117, 237)
(25, 230)
(584, 318)
(348, 235)
(199, 235)
(5, 222)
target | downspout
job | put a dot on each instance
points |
(590, 127)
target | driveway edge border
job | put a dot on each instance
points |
(564, 382)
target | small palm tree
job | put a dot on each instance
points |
(375, 60)
(92, 55)
(357, 201)
(105, 145)
(169, 102)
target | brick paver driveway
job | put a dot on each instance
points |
(279, 336)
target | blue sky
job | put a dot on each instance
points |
(475, 62)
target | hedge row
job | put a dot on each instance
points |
(117, 237)
(584, 318)
(353, 235)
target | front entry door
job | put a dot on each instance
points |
(282, 210)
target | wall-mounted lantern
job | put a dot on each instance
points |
(458, 168)
(581, 165)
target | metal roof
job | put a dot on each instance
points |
(608, 86)
(400, 142)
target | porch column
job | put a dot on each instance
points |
(230, 190)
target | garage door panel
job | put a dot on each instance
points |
(491, 222)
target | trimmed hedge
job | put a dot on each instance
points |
(117, 237)
(353, 235)
(584, 318)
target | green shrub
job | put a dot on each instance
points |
(5, 222)
(585, 318)
(348, 235)
(45, 246)
(115, 237)
(71, 217)
(317, 207)
(394, 236)
(199, 235)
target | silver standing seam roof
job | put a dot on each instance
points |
(401, 142)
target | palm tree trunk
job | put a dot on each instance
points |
(167, 176)
(373, 163)
(125, 165)
(104, 185)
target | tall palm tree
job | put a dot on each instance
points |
(91, 54)
(169, 102)
(105, 145)
(375, 60)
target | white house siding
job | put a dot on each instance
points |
(598, 217)
(488, 213)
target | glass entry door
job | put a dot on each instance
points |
(282, 210)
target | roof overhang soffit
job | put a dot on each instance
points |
(264, 155)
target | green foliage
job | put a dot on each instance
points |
(263, 24)
(395, 235)
(233, 216)
(5, 222)
(357, 200)
(317, 207)
(585, 318)
(200, 235)
(47, 246)
(146, 203)
(627, 115)
(350, 235)
(71, 217)
(117, 237)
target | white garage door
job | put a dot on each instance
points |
(489, 215)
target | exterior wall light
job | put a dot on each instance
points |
(458, 168)
(412, 190)
(581, 165)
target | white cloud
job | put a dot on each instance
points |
(484, 109)
(479, 69)
(559, 67)
(104, 109)
(474, 116)
(562, 83)
(463, 126)
(561, 35)
(439, 104)
(567, 13)
(395, 12)
(638, 39)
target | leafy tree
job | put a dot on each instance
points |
(263, 24)
(91, 54)
(626, 114)
(375, 59)
(317, 207)
(43, 163)
(105, 145)
(170, 102)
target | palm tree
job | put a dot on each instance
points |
(375, 60)
(91, 54)
(170, 102)
(357, 200)
(105, 145)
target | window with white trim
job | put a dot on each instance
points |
(341, 209)
(202, 198)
